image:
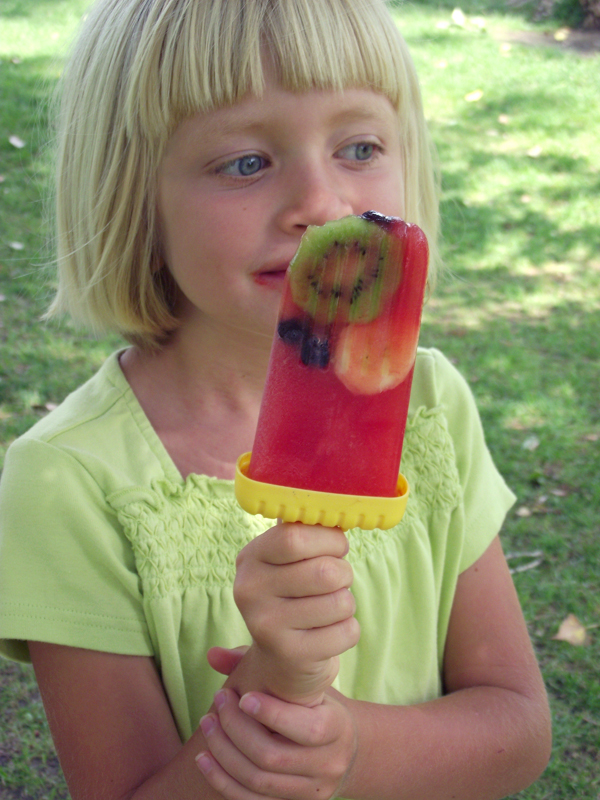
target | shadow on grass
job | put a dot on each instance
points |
(521, 215)
(475, 229)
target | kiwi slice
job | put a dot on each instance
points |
(341, 272)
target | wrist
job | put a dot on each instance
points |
(304, 683)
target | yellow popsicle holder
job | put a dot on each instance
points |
(318, 508)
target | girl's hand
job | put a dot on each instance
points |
(292, 587)
(225, 659)
(262, 746)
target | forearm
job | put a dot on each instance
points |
(480, 743)
(181, 778)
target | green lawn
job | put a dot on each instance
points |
(518, 310)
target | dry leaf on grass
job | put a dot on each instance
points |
(531, 443)
(43, 406)
(458, 17)
(572, 631)
(536, 557)
(562, 34)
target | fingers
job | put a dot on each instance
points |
(303, 754)
(319, 643)
(317, 575)
(293, 579)
(306, 613)
(310, 727)
(223, 783)
(269, 769)
(290, 542)
(227, 786)
(317, 633)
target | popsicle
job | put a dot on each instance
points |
(331, 426)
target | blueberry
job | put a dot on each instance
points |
(315, 351)
(292, 331)
(381, 220)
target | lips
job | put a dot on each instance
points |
(271, 276)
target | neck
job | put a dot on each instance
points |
(226, 364)
(202, 394)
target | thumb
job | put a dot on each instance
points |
(225, 660)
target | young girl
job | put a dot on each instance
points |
(197, 141)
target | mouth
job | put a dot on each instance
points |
(272, 278)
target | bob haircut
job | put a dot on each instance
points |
(138, 69)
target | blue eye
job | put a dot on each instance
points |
(359, 151)
(364, 151)
(246, 166)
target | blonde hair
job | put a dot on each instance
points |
(138, 69)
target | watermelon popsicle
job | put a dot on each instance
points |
(331, 426)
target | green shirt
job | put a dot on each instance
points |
(103, 545)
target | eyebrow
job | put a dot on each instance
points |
(250, 119)
(358, 113)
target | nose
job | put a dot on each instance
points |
(312, 196)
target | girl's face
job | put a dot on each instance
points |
(238, 187)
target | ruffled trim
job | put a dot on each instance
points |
(185, 534)
(189, 533)
(429, 460)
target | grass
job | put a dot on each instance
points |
(518, 311)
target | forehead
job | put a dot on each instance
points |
(277, 109)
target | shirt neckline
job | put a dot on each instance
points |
(117, 377)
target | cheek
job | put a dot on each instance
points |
(396, 189)
(396, 196)
(183, 233)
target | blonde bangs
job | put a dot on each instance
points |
(337, 47)
(197, 56)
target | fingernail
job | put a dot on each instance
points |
(204, 763)
(207, 724)
(220, 699)
(249, 704)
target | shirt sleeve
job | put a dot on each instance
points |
(486, 498)
(67, 572)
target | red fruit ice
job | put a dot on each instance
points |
(336, 399)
